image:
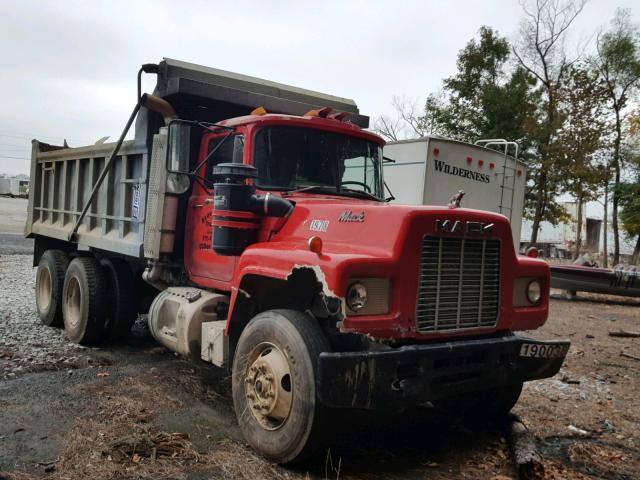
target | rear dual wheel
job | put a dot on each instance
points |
(84, 301)
(97, 300)
(273, 383)
(121, 311)
(49, 283)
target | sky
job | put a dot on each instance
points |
(68, 67)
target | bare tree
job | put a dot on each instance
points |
(408, 122)
(618, 61)
(542, 53)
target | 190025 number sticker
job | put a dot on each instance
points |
(543, 351)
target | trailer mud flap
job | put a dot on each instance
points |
(412, 375)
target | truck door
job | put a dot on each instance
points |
(201, 261)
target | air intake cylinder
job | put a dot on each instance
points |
(238, 211)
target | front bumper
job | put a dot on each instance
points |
(416, 374)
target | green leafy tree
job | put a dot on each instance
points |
(618, 62)
(581, 107)
(483, 99)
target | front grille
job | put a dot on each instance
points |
(459, 285)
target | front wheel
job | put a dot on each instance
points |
(273, 383)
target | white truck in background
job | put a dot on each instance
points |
(430, 170)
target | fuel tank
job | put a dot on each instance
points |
(176, 317)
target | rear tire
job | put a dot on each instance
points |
(273, 382)
(49, 284)
(84, 301)
(120, 314)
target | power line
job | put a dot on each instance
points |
(14, 158)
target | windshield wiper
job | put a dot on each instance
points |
(360, 193)
(309, 188)
(348, 192)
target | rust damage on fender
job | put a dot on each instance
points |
(326, 302)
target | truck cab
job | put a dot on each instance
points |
(274, 252)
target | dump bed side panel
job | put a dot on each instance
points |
(62, 180)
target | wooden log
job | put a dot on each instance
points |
(628, 355)
(526, 458)
(624, 334)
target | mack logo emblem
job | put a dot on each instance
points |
(349, 216)
(458, 226)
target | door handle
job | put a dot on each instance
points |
(207, 201)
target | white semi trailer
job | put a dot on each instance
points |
(430, 170)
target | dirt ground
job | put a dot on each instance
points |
(135, 410)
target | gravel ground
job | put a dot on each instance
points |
(25, 344)
(63, 407)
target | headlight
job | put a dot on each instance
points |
(534, 292)
(367, 296)
(356, 297)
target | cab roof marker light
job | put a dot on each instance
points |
(436, 151)
(480, 162)
(258, 111)
(340, 116)
(469, 159)
(519, 173)
(492, 165)
(321, 112)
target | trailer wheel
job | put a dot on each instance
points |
(273, 383)
(49, 283)
(84, 301)
(120, 314)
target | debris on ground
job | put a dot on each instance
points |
(524, 450)
(624, 334)
(152, 445)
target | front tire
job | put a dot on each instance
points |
(273, 382)
(49, 284)
(84, 301)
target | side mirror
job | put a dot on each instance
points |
(178, 155)
(179, 146)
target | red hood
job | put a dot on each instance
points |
(381, 226)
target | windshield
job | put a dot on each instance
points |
(289, 158)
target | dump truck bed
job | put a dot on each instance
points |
(62, 180)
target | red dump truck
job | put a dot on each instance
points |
(249, 219)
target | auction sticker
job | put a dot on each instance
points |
(543, 351)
